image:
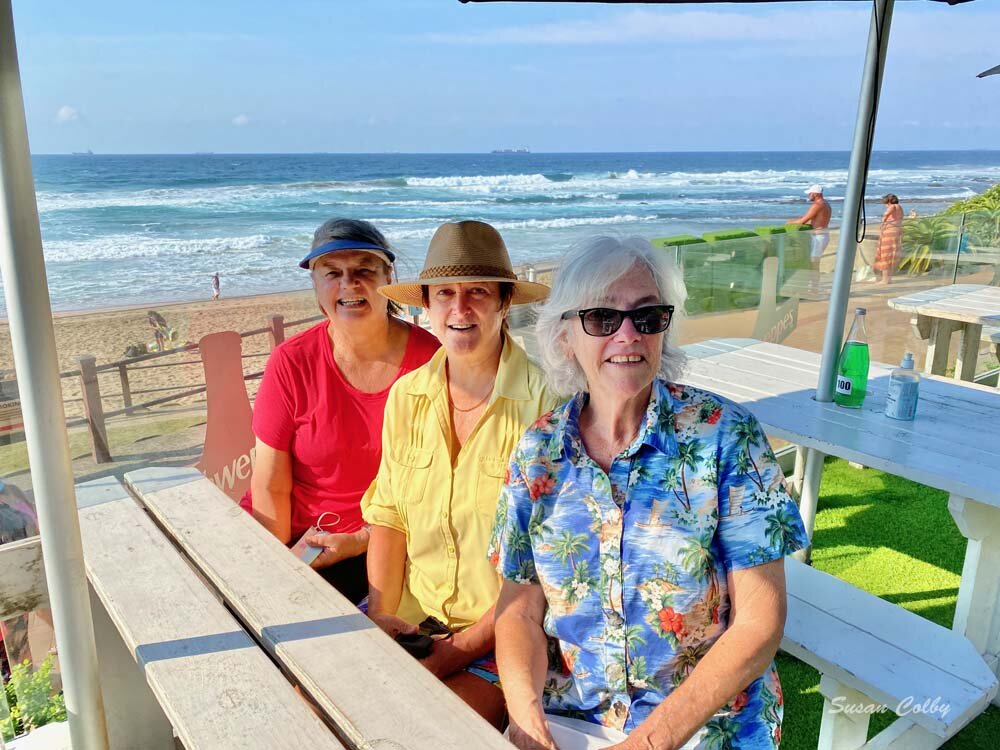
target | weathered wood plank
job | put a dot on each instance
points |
(216, 686)
(884, 651)
(22, 578)
(965, 303)
(372, 691)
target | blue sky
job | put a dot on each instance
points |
(439, 76)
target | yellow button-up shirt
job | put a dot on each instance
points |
(447, 512)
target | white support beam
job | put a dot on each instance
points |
(33, 342)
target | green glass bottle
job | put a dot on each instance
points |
(852, 368)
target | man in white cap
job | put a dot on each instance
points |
(818, 216)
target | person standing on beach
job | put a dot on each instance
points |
(890, 239)
(215, 286)
(318, 414)
(818, 217)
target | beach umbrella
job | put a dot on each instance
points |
(857, 176)
(990, 72)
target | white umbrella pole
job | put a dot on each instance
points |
(33, 342)
(871, 85)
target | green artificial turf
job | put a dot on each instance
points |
(895, 539)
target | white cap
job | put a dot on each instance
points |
(907, 363)
(815, 189)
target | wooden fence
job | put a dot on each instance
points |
(89, 373)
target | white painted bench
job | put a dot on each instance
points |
(22, 578)
(172, 660)
(371, 691)
(873, 653)
(992, 335)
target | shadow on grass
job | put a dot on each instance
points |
(864, 509)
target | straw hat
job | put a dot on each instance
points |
(465, 251)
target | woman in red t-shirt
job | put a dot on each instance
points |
(318, 413)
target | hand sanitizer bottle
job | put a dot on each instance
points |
(904, 382)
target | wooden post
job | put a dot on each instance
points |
(277, 333)
(126, 389)
(842, 729)
(93, 410)
(134, 716)
(977, 611)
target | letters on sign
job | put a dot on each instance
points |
(239, 469)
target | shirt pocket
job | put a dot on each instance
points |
(489, 480)
(410, 469)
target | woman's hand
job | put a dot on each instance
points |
(444, 658)
(337, 547)
(533, 735)
(392, 625)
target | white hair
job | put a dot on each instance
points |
(583, 276)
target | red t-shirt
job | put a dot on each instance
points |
(333, 431)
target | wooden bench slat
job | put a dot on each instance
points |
(22, 578)
(371, 690)
(216, 686)
(873, 646)
(951, 652)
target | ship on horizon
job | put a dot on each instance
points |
(88, 152)
(518, 150)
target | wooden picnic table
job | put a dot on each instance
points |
(950, 446)
(941, 311)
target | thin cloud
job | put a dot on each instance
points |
(646, 26)
(241, 120)
(822, 31)
(66, 114)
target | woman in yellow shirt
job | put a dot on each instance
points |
(449, 429)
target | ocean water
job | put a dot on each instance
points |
(120, 230)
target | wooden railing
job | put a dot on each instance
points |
(89, 373)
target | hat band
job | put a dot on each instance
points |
(460, 270)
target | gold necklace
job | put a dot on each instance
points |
(474, 406)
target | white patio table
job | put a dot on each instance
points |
(951, 446)
(940, 311)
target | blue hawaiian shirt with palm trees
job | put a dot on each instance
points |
(633, 562)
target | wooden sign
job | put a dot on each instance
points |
(10, 407)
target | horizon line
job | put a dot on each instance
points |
(82, 154)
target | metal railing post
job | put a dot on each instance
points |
(33, 342)
(958, 249)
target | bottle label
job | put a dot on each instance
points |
(901, 402)
(843, 385)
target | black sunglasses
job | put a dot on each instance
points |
(604, 321)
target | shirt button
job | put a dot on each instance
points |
(444, 515)
(451, 550)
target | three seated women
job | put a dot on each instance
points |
(638, 528)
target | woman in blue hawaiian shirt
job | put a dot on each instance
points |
(641, 527)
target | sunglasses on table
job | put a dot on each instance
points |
(604, 321)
